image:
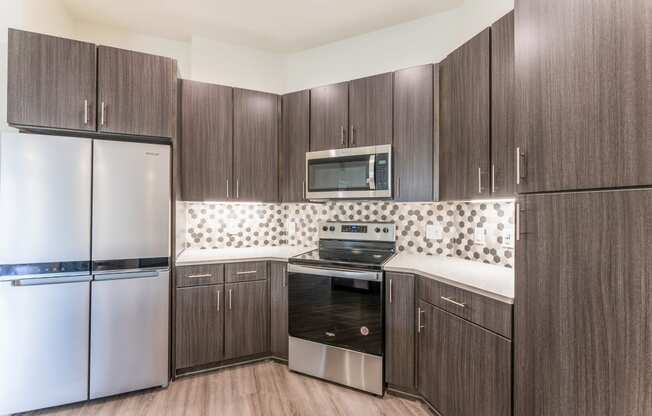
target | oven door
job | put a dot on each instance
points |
(362, 172)
(341, 308)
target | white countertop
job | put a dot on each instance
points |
(495, 282)
(234, 255)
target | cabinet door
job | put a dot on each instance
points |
(464, 370)
(583, 95)
(279, 310)
(137, 93)
(503, 156)
(246, 320)
(199, 325)
(51, 82)
(413, 134)
(370, 111)
(295, 142)
(399, 331)
(329, 117)
(206, 141)
(465, 121)
(255, 145)
(584, 304)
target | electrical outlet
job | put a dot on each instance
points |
(480, 235)
(508, 237)
(434, 232)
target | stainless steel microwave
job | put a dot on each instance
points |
(355, 173)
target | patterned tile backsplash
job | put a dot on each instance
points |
(456, 225)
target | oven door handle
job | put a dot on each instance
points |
(344, 274)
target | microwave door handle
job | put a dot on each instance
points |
(371, 180)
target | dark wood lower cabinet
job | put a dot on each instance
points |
(464, 370)
(246, 319)
(399, 331)
(278, 290)
(199, 325)
(583, 340)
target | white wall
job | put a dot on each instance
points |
(426, 40)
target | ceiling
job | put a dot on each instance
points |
(276, 25)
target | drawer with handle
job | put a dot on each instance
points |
(245, 272)
(489, 313)
(200, 275)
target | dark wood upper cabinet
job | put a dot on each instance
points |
(279, 310)
(295, 142)
(583, 344)
(246, 319)
(199, 326)
(370, 111)
(465, 120)
(400, 349)
(464, 370)
(329, 117)
(206, 141)
(137, 93)
(583, 111)
(51, 82)
(503, 156)
(255, 145)
(413, 148)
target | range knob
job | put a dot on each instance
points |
(324, 228)
(385, 230)
(331, 228)
(377, 230)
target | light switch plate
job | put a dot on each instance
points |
(434, 232)
(479, 237)
(508, 237)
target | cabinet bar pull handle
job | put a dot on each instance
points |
(479, 180)
(493, 178)
(285, 281)
(247, 272)
(237, 189)
(85, 111)
(352, 134)
(303, 185)
(419, 326)
(199, 275)
(230, 299)
(218, 300)
(517, 221)
(227, 188)
(102, 114)
(390, 290)
(342, 135)
(449, 300)
(518, 165)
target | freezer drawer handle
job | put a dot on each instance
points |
(117, 276)
(51, 280)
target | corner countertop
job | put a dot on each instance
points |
(234, 255)
(492, 281)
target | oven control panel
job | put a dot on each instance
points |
(368, 231)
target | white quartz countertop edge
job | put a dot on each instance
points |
(495, 282)
(193, 257)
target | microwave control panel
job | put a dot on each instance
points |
(381, 173)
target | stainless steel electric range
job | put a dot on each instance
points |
(335, 298)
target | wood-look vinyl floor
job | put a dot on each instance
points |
(260, 389)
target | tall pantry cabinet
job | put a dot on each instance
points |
(583, 123)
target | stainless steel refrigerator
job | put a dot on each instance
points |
(84, 278)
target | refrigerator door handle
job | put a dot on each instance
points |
(132, 275)
(51, 280)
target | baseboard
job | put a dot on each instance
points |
(182, 372)
(410, 395)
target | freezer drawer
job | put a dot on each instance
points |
(131, 201)
(129, 332)
(43, 343)
(45, 204)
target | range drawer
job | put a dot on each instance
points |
(489, 313)
(245, 272)
(200, 275)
